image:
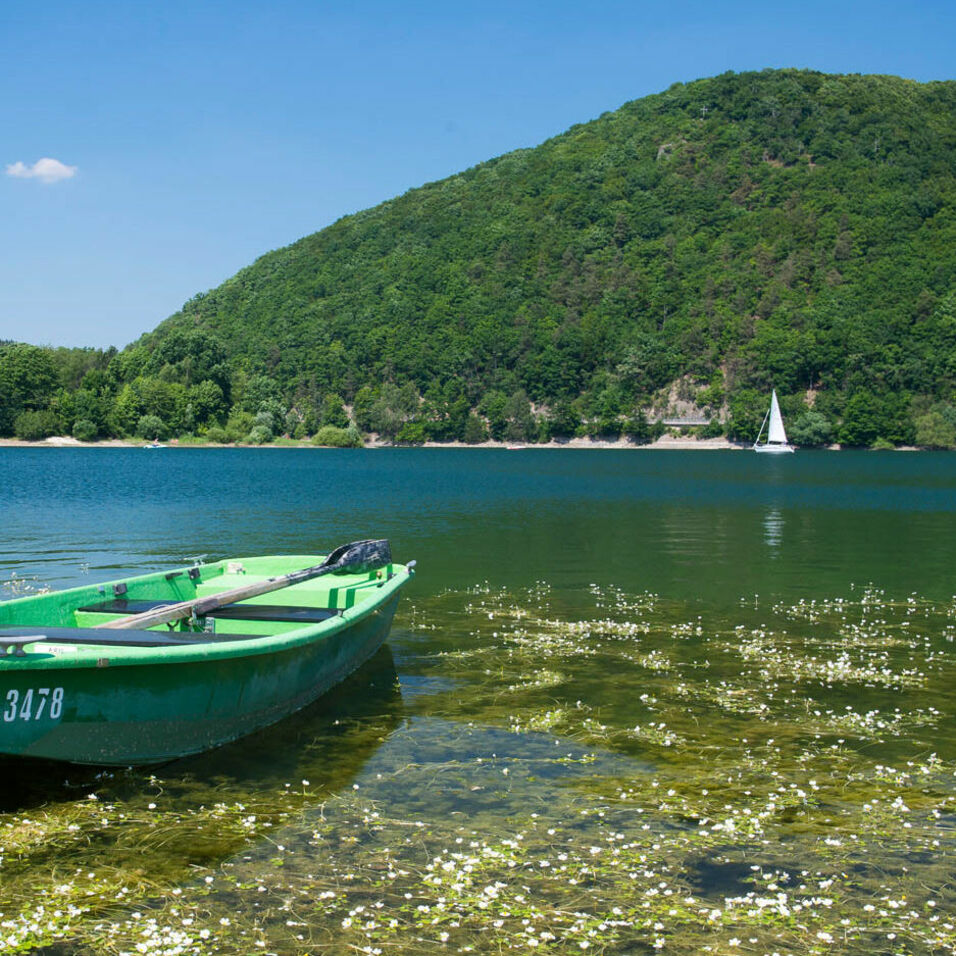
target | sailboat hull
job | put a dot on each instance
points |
(774, 449)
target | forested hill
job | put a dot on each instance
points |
(784, 229)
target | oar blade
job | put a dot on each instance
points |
(360, 556)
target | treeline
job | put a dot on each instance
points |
(186, 389)
(784, 229)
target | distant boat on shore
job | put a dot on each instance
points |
(776, 442)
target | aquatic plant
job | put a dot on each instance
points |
(564, 772)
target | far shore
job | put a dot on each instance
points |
(665, 442)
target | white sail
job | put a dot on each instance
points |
(776, 434)
(776, 442)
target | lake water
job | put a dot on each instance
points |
(634, 700)
(711, 525)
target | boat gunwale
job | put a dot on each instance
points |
(87, 656)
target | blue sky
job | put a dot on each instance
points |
(192, 137)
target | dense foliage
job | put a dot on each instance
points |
(782, 229)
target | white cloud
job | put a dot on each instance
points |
(46, 170)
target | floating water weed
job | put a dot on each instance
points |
(17, 586)
(587, 772)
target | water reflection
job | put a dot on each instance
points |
(773, 529)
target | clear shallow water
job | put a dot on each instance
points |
(637, 700)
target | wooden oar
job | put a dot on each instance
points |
(355, 558)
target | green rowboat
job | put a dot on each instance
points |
(90, 676)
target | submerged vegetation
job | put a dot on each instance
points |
(676, 257)
(590, 771)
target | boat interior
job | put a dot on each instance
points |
(73, 616)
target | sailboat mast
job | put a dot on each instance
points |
(757, 442)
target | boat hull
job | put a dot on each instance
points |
(774, 449)
(153, 713)
(72, 691)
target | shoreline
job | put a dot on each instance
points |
(665, 442)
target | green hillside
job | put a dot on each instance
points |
(783, 228)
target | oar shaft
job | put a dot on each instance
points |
(199, 607)
(357, 557)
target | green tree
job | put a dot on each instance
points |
(217, 435)
(494, 406)
(126, 410)
(333, 411)
(208, 402)
(190, 356)
(638, 428)
(171, 402)
(294, 424)
(150, 427)
(85, 430)
(445, 411)
(411, 433)
(810, 429)
(748, 409)
(520, 423)
(331, 436)
(563, 420)
(362, 407)
(28, 379)
(259, 435)
(394, 407)
(476, 431)
(934, 431)
(37, 425)
(87, 405)
(83, 367)
(605, 412)
(648, 363)
(869, 416)
(260, 390)
(239, 424)
(266, 421)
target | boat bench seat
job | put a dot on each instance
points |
(285, 613)
(16, 638)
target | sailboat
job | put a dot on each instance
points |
(776, 443)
